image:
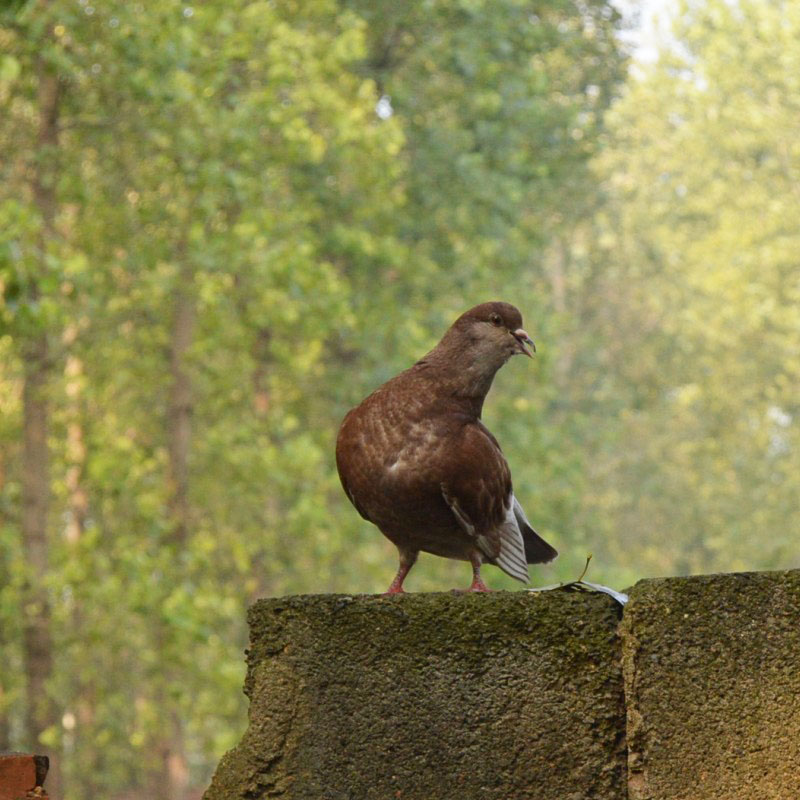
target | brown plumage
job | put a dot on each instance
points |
(416, 460)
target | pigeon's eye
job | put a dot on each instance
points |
(495, 320)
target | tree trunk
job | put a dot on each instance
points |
(41, 712)
(82, 712)
(179, 413)
(261, 394)
(176, 767)
(37, 642)
(174, 777)
(77, 498)
(5, 720)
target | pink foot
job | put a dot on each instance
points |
(407, 559)
(477, 584)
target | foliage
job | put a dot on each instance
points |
(701, 276)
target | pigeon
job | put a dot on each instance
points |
(415, 459)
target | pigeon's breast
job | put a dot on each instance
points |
(417, 446)
(397, 452)
(391, 466)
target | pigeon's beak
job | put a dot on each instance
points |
(523, 339)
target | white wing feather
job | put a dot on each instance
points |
(511, 558)
(512, 548)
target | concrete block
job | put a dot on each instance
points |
(503, 696)
(712, 682)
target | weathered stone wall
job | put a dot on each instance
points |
(430, 697)
(712, 683)
(517, 695)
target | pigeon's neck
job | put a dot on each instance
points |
(463, 380)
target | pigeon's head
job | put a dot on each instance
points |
(492, 332)
(477, 344)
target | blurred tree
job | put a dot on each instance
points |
(32, 283)
(197, 147)
(698, 289)
(223, 224)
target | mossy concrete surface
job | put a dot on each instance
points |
(504, 696)
(712, 679)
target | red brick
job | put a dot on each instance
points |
(17, 775)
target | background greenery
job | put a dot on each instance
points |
(223, 223)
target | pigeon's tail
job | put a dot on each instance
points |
(537, 550)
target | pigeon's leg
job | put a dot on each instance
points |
(477, 584)
(407, 560)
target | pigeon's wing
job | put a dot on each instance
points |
(478, 492)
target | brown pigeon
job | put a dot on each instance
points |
(416, 460)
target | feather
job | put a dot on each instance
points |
(537, 550)
(511, 558)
